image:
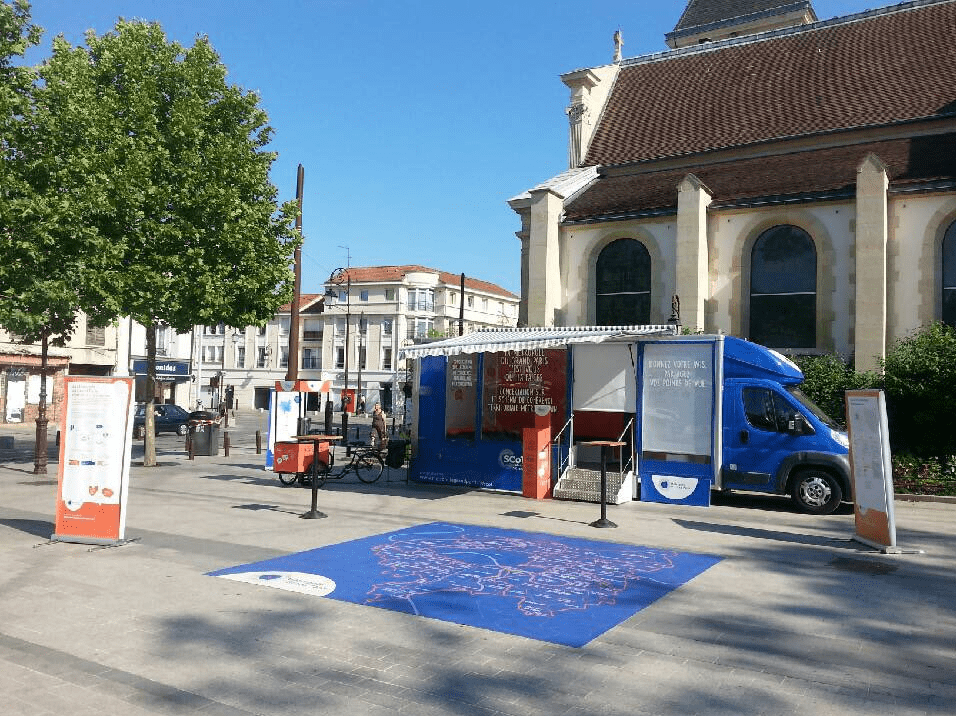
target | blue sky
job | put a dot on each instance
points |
(415, 120)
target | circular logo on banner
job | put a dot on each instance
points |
(508, 460)
(674, 488)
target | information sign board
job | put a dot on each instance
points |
(871, 468)
(93, 476)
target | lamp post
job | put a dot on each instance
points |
(337, 277)
(358, 382)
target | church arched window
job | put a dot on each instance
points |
(623, 285)
(783, 289)
(949, 276)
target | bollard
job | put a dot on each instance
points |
(258, 442)
(225, 444)
(189, 448)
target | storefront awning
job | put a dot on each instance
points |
(495, 340)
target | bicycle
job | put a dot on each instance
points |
(366, 462)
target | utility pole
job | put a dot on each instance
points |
(292, 373)
(461, 308)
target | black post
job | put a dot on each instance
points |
(314, 513)
(461, 308)
(604, 521)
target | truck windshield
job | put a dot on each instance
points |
(813, 408)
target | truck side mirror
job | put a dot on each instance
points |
(797, 425)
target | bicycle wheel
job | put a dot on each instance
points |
(369, 467)
(287, 478)
(321, 474)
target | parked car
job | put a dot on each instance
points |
(169, 419)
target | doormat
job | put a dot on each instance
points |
(557, 589)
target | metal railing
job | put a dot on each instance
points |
(631, 463)
(562, 451)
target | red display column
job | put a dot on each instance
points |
(536, 458)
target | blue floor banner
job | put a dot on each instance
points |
(552, 588)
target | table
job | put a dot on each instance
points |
(321, 442)
(604, 445)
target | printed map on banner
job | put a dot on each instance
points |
(546, 587)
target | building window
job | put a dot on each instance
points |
(623, 284)
(471, 302)
(387, 358)
(217, 330)
(949, 276)
(363, 296)
(240, 356)
(95, 336)
(312, 330)
(340, 326)
(262, 357)
(343, 296)
(284, 356)
(389, 294)
(261, 330)
(421, 299)
(212, 354)
(484, 305)
(420, 327)
(387, 327)
(361, 358)
(310, 359)
(453, 298)
(339, 356)
(783, 289)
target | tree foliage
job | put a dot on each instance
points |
(136, 184)
(178, 185)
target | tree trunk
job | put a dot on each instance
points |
(40, 445)
(149, 442)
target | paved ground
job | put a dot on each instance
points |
(795, 620)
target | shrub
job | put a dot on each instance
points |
(919, 375)
(827, 377)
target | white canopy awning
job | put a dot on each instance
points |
(495, 340)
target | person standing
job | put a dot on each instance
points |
(379, 435)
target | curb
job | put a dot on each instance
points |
(927, 498)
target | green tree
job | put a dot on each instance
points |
(173, 180)
(44, 277)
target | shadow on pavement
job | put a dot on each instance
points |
(774, 535)
(37, 528)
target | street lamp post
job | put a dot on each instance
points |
(337, 277)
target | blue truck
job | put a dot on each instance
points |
(696, 413)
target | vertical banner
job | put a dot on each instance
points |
(677, 410)
(285, 409)
(515, 383)
(96, 432)
(871, 468)
(461, 391)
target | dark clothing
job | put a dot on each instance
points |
(379, 437)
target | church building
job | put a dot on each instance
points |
(792, 181)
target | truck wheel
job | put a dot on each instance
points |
(816, 492)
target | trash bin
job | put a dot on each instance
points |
(395, 457)
(204, 432)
